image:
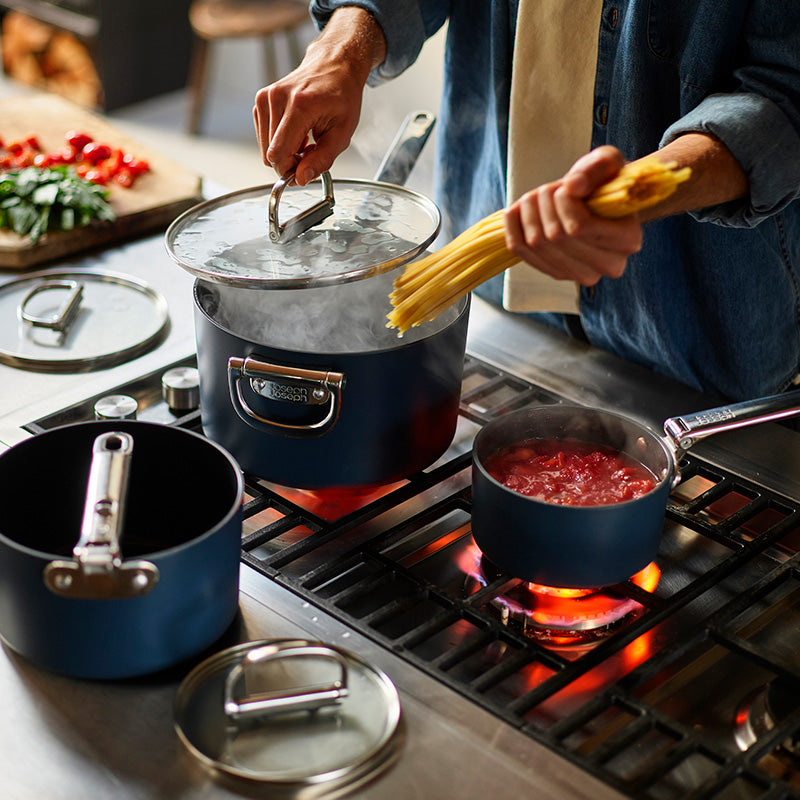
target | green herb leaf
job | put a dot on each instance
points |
(34, 200)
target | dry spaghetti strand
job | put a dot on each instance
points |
(429, 286)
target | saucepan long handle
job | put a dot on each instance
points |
(97, 570)
(685, 430)
(406, 148)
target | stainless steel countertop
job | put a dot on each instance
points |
(62, 738)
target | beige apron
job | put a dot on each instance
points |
(550, 124)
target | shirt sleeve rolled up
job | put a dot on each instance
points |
(406, 25)
(764, 142)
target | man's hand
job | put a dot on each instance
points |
(306, 119)
(552, 229)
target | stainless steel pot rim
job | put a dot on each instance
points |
(372, 700)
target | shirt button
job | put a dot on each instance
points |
(613, 17)
(602, 113)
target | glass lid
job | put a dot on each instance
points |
(79, 320)
(357, 228)
(288, 712)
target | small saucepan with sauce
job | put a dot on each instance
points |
(575, 497)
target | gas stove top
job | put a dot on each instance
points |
(656, 686)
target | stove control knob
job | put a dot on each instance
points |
(116, 406)
(180, 388)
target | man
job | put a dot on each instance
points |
(711, 297)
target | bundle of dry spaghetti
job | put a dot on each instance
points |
(429, 286)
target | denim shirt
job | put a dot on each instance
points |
(713, 297)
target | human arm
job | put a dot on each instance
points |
(321, 97)
(552, 229)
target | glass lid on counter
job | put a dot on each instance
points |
(288, 712)
(79, 320)
(357, 228)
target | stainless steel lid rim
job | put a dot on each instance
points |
(375, 227)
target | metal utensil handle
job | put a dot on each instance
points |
(685, 430)
(268, 704)
(66, 313)
(406, 147)
(97, 570)
(304, 220)
(305, 386)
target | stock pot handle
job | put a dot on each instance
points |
(288, 384)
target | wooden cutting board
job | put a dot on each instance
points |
(155, 199)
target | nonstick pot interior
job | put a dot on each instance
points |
(181, 486)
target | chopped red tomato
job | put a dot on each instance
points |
(570, 472)
(96, 161)
(24, 157)
(66, 155)
(96, 176)
(124, 178)
(136, 165)
(78, 140)
(95, 153)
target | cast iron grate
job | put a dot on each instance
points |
(367, 569)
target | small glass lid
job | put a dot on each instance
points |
(370, 227)
(288, 712)
(78, 321)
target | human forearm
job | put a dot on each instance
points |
(351, 35)
(716, 175)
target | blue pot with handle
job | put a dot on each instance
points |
(119, 547)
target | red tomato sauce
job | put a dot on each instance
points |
(570, 472)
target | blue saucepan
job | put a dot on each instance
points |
(68, 600)
(599, 545)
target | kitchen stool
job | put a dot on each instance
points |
(227, 19)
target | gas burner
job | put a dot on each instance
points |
(561, 617)
(334, 503)
(765, 708)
